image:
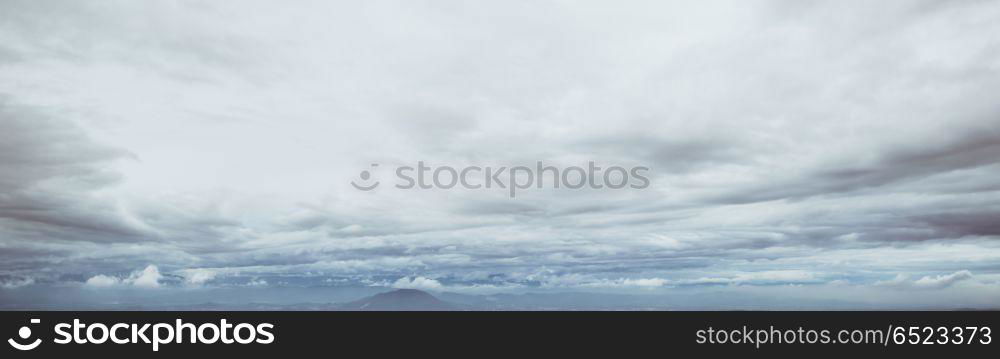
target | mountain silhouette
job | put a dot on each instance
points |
(398, 300)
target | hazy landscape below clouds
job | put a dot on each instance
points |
(801, 155)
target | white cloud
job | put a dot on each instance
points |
(148, 277)
(584, 281)
(645, 282)
(417, 283)
(943, 281)
(761, 277)
(927, 282)
(17, 283)
(101, 280)
(199, 276)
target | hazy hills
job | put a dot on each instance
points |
(399, 300)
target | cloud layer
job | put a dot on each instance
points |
(833, 144)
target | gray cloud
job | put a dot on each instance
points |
(49, 169)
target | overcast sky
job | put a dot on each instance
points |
(839, 149)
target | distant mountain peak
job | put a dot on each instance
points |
(405, 293)
(399, 300)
